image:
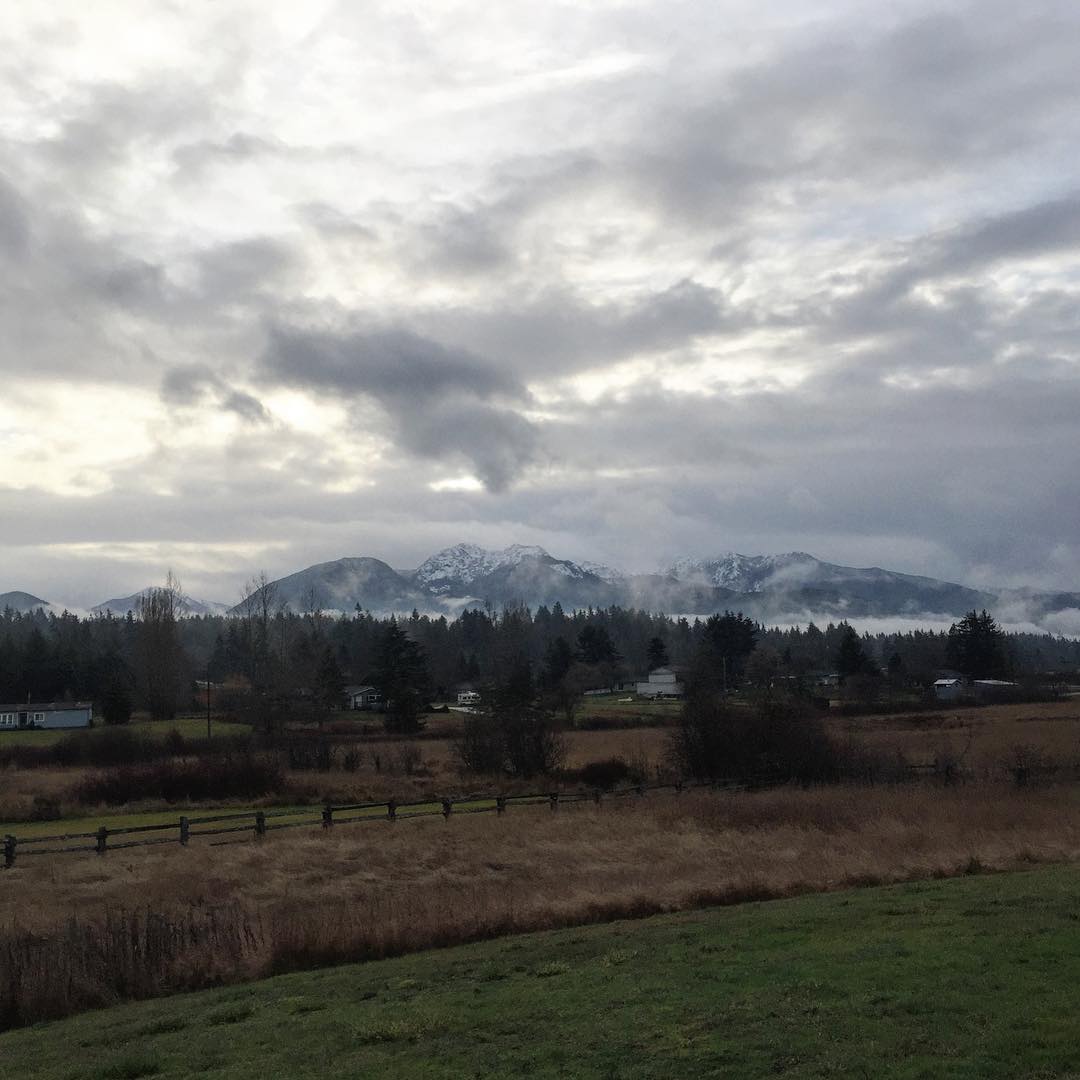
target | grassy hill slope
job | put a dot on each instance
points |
(973, 977)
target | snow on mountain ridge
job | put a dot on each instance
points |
(744, 573)
(463, 564)
(604, 573)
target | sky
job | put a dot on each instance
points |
(281, 283)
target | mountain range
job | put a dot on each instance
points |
(792, 586)
(764, 586)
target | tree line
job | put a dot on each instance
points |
(151, 658)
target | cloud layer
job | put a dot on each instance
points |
(281, 285)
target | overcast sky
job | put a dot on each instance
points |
(284, 282)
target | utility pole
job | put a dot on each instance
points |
(208, 733)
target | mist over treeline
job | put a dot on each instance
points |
(44, 656)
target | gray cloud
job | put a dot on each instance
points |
(443, 403)
(556, 331)
(192, 385)
(389, 364)
(14, 222)
(875, 221)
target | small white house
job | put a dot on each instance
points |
(662, 683)
(363, 698)
(46, 716)
(468, 697)
(948, 689)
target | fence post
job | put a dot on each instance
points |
(500, 804)
(185, 831)
(596, 796)
(447, 807)
(327, 816)
(554, 799)
(678, 787)
(641, 790)
(260, 824)
(391, 810)
(102, 840)
(9, 851)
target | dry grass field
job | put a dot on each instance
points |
(404, 770)
(986, 738)
(984, 742)
(81, 931)
(661, 849)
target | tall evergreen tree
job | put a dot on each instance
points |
(656, 654)
(851, 658)
(976, 647)
(401, 677)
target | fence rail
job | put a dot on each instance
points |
(257, 823)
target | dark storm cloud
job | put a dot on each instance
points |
(444, 404)
(499, 443)
(192, 385)
(391, 364)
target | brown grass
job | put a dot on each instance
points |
(307, 898)
(987, 737)
(438, 773)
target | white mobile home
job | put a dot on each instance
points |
(662, 683)
(46, 715)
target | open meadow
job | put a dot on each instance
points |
(969, 979)
(366, 766)
(80, 931)
(186, 917)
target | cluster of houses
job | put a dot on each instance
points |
(663, 683)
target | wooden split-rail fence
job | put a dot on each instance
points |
(256, 824)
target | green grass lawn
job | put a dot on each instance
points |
(612, 706)
(970, 978)
(191, 727)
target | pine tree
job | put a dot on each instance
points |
(657, 654)
(401, 677)
(976, 647)
(851, 659)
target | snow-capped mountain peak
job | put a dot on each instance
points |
(744, 573)
(603, 572)
(462, 564)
